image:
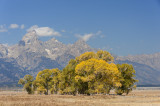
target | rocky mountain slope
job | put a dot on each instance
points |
(144, 73)
(31, 55)
(147, 67)
(152, 60)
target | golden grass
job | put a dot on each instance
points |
(135, 98)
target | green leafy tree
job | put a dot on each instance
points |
(27, 81)
(67, 83)
(127, 76)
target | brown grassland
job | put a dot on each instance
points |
(135, 98)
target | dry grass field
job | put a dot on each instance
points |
(135, 98)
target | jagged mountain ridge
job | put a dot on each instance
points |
(10, 71)
(147, 67)
(152, 60)
(30, 48)
(31, 55)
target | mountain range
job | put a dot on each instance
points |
(31, 55)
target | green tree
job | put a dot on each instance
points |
(44, 80)
(67, 83)
(27, 81)
(127, 76)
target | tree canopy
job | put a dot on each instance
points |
(127, 75)
(47, 79)
(89, 73)
(98, 75)
(27, 81)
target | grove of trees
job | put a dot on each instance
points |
(90, 73)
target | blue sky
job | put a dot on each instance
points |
(121, 27)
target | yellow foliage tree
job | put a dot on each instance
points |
(89, 73)
(95, 76)
(46, 80)
(55, 81)
(85, 56)
(104, 55)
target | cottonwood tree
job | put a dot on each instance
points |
(55, 81)
(85, 56)
(27, 81)
(128, 80)
(104, 55)
(44, 80)
(95, 76)
(67, 83)
(89, 73)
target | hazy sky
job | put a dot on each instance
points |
(122, 27)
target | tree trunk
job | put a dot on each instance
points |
(47, 89)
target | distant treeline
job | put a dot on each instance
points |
(89, 73)
(9, 84)
(148, 85)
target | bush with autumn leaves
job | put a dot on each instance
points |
(89, 73)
